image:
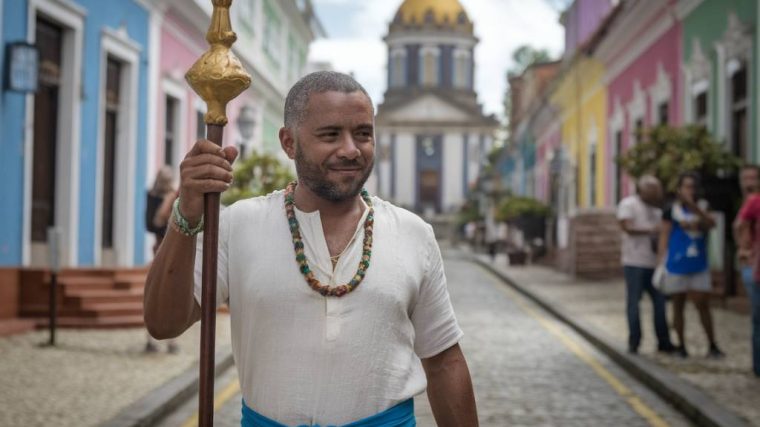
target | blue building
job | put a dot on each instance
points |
(74, 151)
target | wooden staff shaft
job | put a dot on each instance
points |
(208, 295)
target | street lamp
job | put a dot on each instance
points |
(246, 123)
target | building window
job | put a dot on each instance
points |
(738, 111)
(412, 65)
(294, 59)
(272, 28)
(246, 15)
(397, 68)
(461, 72)
(638, 130)
(662, 113)
(170, 130)
(112, 111)
(700, 109)
(46, 110)
(429, 68)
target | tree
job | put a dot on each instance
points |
(666, 152)
(525, 56)
(257, 175)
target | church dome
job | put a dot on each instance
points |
(438, 13)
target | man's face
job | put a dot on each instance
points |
(749, 180)
(688, 189)
(335, 144)
(651, 194)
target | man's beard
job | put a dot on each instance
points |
(315, 178)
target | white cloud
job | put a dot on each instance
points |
(501, 25)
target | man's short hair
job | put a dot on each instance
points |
(646, 180)
(317, 82)
(750, 166)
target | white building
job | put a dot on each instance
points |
(432, 135)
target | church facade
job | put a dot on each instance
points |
(432, 136)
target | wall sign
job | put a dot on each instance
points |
(22, 60)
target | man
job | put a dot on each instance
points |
(368, 340)
(747, 228)
(639, 219)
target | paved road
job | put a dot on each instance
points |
(528, 369)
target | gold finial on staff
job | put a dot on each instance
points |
(217, 76)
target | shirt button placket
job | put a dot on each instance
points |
(332, 319)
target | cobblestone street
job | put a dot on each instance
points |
(528, 369)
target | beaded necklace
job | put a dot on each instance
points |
(303, 263)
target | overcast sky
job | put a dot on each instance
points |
(355, 29)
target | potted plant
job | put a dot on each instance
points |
(257, 174)
(529, 216)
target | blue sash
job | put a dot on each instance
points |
(401, 415)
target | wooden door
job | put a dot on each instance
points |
(110, 137)
(45, 140)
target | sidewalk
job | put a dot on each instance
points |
(601, 305)
(90, 376)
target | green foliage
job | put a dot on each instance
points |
(666, 152)
(525, 56)
(469, 212)
(514, 207)
(257, 175)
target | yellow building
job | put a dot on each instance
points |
(581, 97)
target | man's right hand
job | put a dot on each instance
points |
(207, 168)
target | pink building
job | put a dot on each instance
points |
(641, 54)
(179, 111)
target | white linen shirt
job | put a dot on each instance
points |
(307, 359)
(638, 250)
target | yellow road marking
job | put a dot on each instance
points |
(221, 398)
(639, 406)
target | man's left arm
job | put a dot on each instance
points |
(450, 389)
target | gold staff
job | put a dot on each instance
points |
(217, 77)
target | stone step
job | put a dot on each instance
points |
(80, 297)
(16, 326)
(84, 282)
(95, 322)
(129, 284)
(104, 309)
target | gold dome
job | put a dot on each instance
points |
(437, 12)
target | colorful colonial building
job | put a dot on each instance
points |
(631, 65)
(75, 150)
(86, 126)
(721, 59)
(641, 55)
(273, 42)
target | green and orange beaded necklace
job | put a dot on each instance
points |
(303, 263)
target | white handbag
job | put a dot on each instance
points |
(658, 278)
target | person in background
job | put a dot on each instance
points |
(157, 213)
(683, 239)
(747, 234)
(639, 217)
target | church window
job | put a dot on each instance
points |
(397, 68)
(429, 67)
(461, 69)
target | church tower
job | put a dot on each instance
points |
(431, 132)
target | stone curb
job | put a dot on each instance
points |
(158, 403)
(692, 402)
